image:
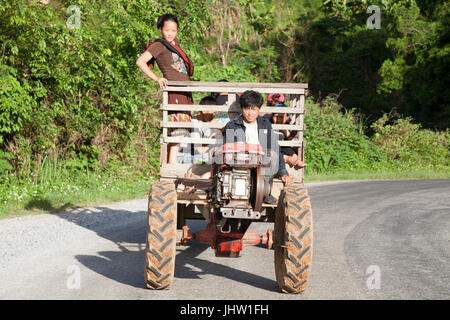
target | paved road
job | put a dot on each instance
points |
(373, 240)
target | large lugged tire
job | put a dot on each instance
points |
(161, 236)
(293, 240)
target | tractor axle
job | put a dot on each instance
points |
(225, 242)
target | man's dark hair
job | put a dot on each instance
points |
(208, 100)
(166, 17)
(216, 94)
(251, 98)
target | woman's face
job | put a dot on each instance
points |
(275, 99)
(206, 116)
(280, 118)
(169, 31)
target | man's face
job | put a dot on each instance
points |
(250, 113)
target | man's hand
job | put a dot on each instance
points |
(294, 161)
(287, 180)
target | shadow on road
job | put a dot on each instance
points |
(127, 265)
(46, 204)
(188, 257)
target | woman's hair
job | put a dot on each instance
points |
(208, 100)
(216, 94)
(166, 17)
(251, 98)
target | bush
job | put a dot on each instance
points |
(16, 104)
(334, 140)
(406, 142)
(73, 94)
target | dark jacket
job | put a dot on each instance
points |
(267, 139)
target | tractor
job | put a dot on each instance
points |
(230, 199)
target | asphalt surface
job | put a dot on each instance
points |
(372, 240)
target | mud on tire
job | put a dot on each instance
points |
(293, 240)
(161, 236)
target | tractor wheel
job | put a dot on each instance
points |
(293, 240)
(161, 236)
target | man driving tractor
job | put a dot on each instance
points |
(236, 192)
(251, 128)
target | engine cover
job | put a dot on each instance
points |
(236, 184)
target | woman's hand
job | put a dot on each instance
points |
(162, 82)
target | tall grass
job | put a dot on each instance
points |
(54, 186)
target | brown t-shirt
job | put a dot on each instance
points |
(170, 64)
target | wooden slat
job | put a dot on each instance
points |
(213, 125)
(300, 106)
(298, 119)
(235, 89)
(294, 99)
(302, 103)
(164, 152)
(303, 151)
(192, 140)
(180, 169)
(290, 143)
(292, 127)
(215, 108)
(294, 104)
(219, 125)
(194, 107)
(198, 197)
(238, 84)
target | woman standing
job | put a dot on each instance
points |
(175, 65)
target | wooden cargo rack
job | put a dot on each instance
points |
(295, 99)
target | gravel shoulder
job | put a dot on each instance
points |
(401, 227)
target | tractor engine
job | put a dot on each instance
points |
(239, 185)
(235, 194)
(236, 189)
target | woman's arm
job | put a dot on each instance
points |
(142, 61)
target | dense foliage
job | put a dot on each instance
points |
(335, 142)
(402, 65)
(72, 98)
